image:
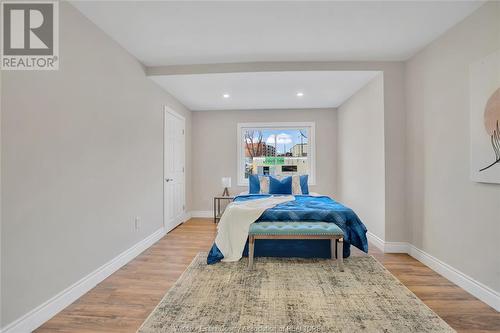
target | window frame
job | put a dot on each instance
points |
(311, 141)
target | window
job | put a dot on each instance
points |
(280, 149)
(289, 168)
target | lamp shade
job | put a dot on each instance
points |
(226, 181)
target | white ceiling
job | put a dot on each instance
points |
(185, 32)
(264, 90)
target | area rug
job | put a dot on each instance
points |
(291, 295)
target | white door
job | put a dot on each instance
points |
(174, 176)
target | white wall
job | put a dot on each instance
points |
(82, 155)
(1, 245)
(215, 148)
(452, 218)
(396, 226)
(361, 155)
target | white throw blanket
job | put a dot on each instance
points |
(232, 231)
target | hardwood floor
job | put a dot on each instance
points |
(123, 301)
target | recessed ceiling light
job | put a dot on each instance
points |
(226, 95)
(300, 94)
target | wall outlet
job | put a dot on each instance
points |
(137, 223)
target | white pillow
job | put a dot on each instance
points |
(296, 188)
(264, 184)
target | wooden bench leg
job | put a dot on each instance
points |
(340, 254)
(333, 248)
(251, 241)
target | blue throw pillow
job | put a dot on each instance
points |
(283, 186)
(253, 184)
(303, 184)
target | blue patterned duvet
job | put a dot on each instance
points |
(306, 208)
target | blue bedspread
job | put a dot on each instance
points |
(307, 208)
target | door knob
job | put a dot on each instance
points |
(168, 179)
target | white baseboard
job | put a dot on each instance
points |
(186, 216)
(202, 213)
(376, 240)
(476, 288)
(387, 247)
(396, 247)
(36, 317)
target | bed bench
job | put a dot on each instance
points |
(298, 230)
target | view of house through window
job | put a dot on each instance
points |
(278, 151)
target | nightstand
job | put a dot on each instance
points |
(217, 207)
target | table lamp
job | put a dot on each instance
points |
(226, 183)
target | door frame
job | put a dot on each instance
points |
(168, 109)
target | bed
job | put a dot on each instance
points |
(304, 208)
